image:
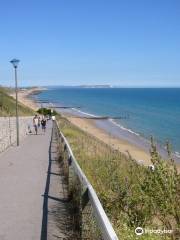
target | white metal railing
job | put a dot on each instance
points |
(105, 227)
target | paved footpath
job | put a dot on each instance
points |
(29, 191)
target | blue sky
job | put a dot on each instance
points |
(72, 42)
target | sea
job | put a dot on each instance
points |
(134, 114)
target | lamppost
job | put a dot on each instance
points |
(15, 65)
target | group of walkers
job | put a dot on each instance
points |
(39, 122)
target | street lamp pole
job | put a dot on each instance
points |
(15, 65)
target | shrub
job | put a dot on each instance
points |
(46, 111)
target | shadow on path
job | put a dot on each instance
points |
(57, 209)
(45, 204)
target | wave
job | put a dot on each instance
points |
(123, 128)
(177, 154)
(111, 120)
(85, 113)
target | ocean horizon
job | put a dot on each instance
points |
(141, 112)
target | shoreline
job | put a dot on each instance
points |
(24, 97)
(125, 146)
(104, 134)
(139, 154)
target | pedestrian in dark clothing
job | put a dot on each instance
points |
(43, 124)
(39, 121)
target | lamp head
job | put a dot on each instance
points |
(15, 62)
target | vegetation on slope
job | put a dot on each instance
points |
(132, 195)
(8, 105)
(47, 111)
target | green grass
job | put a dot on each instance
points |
(132, 195)
(8, 106)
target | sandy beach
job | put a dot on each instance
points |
(123, 146)
(89, 125)
(137, 153)
(24, 97)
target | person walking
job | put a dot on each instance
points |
(39, 121)
(43, 124)
(35, 123)
(53, 118)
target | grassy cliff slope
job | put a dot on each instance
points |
(132, 194)
(8, 105)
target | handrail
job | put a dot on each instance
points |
(103, 222)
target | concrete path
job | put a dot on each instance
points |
(57, 214)
(32, 206)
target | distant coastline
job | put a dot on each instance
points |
(83, 86)
(108, 86)
(95, 86)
